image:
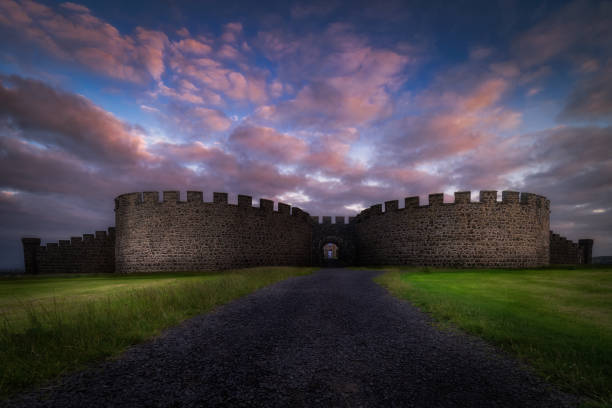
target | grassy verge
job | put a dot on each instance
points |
(557, 320)
(53, 325)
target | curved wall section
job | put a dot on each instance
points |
(511, 233)
(174, 235)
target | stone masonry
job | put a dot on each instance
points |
(173, 235)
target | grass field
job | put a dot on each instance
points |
(557, 320)
(56, 324)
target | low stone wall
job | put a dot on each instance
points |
(565, 252)
(91, 253)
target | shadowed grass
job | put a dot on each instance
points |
(558, 320)
(53, 325)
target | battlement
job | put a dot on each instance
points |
(565, 251)
(196, 198)
(511, 232)
(100, 237)
(185, 232)
(486, 197)
(328, 219)
(90, 253)
(168, 231)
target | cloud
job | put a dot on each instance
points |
(346, 82)
(231, 32)
(73, 33)
(75, 7)
(65, 121)
(195, 121)
(268, 144)
(578, 27)
(193, 46)
(591, 98)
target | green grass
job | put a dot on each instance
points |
(57, 324)
(557, 320)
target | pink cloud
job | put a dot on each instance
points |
(193, 46)
(75, 7)
(211, 119)
(231, 32)
(75, 34)
(268, 144)
(228, 52)
(348, 81)
(67, 121)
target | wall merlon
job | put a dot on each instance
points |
(171, 196)
(488, 196)
(266, 205)
(376, 209)
(88, 237)
(245, 201)
(327, 219)
(351, 219)
(314, 218)
(510, 197)
(436, 199)
(528, 198)
(340, 219)
(391, 205)
(220, 198)
(100, 234)
(542, 202)
(463, 197)
(31, 241)
(111, 232)
(128, 199)
(195, 196)
(411, 202)
(64, 242)
(150, 197)
(284, 208)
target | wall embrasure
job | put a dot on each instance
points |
(174, 235)
(511, 233)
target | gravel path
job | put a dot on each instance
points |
(334, 338)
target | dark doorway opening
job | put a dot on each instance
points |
(330, 254)
(330, 251)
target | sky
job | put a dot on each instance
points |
(330, 106)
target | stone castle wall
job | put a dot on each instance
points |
(339, 233)
(174, 235)
(564, 251)
(88, 254)
(511, 233)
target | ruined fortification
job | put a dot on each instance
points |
(174, 235)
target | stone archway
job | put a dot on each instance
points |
(339, 234)
(342, 257)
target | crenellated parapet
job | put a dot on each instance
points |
(170, 234)
(566, 252)
(170, 199)
(90, 253)
(511, 232)
(486, 197)
(158, 232)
